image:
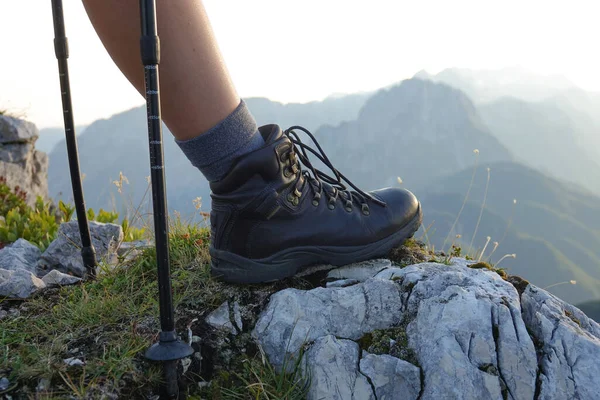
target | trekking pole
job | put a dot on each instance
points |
(170, 348)
(61, 49)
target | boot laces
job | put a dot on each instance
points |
(333, 187)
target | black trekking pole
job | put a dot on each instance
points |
(169, 348)
(61, 49)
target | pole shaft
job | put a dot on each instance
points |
(151, 59)
(61, 48)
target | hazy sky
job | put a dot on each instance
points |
(314, 48)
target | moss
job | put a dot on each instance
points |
(572, 317)
(489, 369)
(519, 283)
(392, 341)
(488, 266)
(410, 252)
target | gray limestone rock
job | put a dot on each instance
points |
(391, 377)
(224, 318)
(467, 332)
(332, 367)
(359, 271)
(20, 255)
(20, 164)
(19, 283)
(57, 278)
(4, 384)
(294, 317)
(64, 253)
(127, 247)
(570, 346)
(15, 130)
(342, 283)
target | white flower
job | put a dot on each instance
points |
(119, 183)
(197, 202)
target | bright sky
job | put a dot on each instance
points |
(314, 47)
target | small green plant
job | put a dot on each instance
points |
(131, 233)
(11, 198)
(66, 210)
(37, 225)
(103, 216)
(456, 250)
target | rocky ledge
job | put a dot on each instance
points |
(425, 331)
(20, 163)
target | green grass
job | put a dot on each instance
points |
(109, 322)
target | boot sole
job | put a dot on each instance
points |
(232, 268)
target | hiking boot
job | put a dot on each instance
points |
(271, 218)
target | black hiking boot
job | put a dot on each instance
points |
(270, 219)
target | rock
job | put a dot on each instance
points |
(342, 283)
(220, 318)
(64, 253)
(467, 332)
(127, 247)
(359, 271)
(15, 130)
(463, 328)
(4, 384)
(569, 346)
(294, 317)
(19, 283)
(20, 163)
(72, 361)
(57, 278)
(332, 365)
(391, 376)
(131, 250)
(224, 318)
(43, 385)
(20, 255)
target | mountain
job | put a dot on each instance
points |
(547, 137)
(553, 228)
(50, 137)
(120, 144)
(545, 121)
(331, 111)
(487, 85)
(418, 130)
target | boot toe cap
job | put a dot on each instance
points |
(402, 204)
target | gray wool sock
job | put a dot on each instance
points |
(214, 151)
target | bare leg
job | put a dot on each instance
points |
(196, 89)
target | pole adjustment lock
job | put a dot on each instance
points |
(150, 46)
(61, 48)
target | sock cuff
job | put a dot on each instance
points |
(218, 143)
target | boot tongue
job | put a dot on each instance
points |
(270, 133)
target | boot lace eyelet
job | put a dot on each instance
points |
(365, 209)
(331, 186)
(331, 203)
(316, 198)
(348, 206)
(292, 199)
